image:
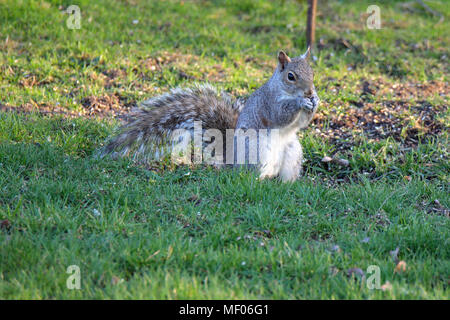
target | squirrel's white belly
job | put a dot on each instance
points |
(283, 154)
(275, 153)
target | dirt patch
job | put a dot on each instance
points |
(339, 44)
(112, 77)
(106, 106)
(411, 90)
(180, 64)
(164, 60)
(42, 109)
(259, 29)
(405, 117)
(29, 81)
(379, 121)
(434, 208)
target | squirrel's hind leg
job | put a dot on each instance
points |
(292, 161)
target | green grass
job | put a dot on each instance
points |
(195, 232)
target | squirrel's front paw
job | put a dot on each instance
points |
(307, 104)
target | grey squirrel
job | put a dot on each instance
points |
(285, 104)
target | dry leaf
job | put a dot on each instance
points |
(5, 224)
(400, 267)
(195, 199)
(386, 286)
(152, 255)
(326, 159)
(116, 280)
(169, 252)
(264, 233)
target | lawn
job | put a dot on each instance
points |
(375, 188)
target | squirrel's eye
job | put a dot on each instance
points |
(291, 76)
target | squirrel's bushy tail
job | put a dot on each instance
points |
(148, 131)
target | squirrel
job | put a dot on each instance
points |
(282, 106)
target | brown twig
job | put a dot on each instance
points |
(311, 23)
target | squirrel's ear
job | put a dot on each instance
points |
(306, 54)
(283, 59)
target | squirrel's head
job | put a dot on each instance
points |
(296, 74)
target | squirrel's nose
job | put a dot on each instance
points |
(309, 93)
